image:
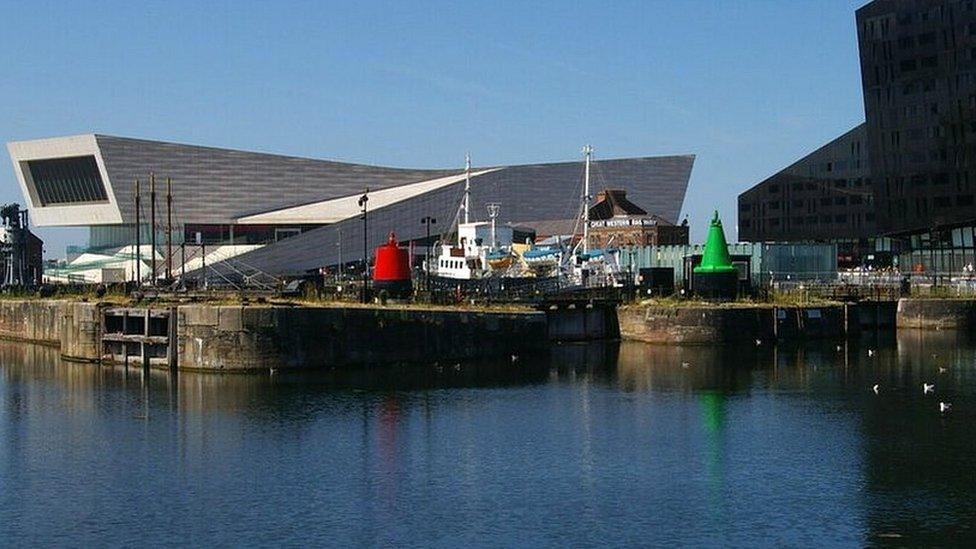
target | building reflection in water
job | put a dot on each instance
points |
(919, 463)
(744, 416)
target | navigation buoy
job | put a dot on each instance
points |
(715, 277)
(392, 269)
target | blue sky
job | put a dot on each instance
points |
(748, 86)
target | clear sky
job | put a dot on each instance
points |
(748, 86)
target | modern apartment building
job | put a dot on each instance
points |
(917, 161)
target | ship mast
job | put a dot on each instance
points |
(587, 151)
(465, 200)
(467, 187)
(493, 208)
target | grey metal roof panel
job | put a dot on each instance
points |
(213, 185)
(531, 192)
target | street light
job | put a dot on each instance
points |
(427, 221)
(339, 245)
(363, 200)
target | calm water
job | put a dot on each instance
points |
(590, 446)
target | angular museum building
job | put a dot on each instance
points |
(285, 215)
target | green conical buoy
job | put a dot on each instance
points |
(715, 258)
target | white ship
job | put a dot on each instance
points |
(483, 249)
(585, 266)
(471, 257)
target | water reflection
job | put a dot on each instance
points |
(559, 448)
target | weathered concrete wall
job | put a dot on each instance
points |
(81, 331)
(702, 324)
(810, 322)
(694, 325)
(582, 323)
(37, 321)
(936, 314)
(73, 326)
(871, 315)
(242, 338)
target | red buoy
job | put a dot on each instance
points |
(391, 271)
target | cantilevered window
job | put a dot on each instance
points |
(67, 180)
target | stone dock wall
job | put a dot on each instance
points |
(36, 321)
(707, 324)
(72, 326)
(936, 314)
(259, 337)
(236, 338)
(253, 338)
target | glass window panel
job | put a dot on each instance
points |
(67, 180)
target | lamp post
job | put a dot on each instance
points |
(339, 244)
(363, 200)
(427, 221)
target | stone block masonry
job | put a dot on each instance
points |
(257, 338)
(72, 326)
(249, 338)
(936, 314)
(36, 321)
(243, 338)
(709, 324)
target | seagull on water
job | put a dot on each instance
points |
(839, 348)
(876, 388)
(870, 352)
(514, 358)
(758, 342)
(944, 407)
(928, 388)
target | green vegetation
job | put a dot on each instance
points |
(772, 299)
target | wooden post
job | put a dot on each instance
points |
(172, 349)
(169, 228)
(125, 344)
(152, 226)
(145, 348)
